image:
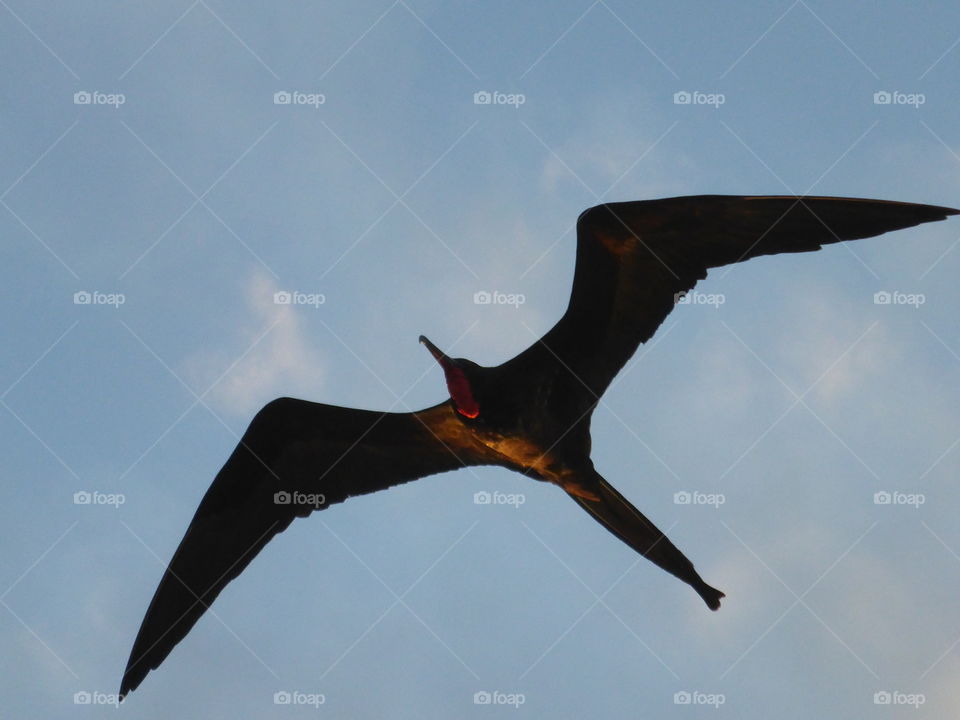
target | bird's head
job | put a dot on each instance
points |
(463, 380)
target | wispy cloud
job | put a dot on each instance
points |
(276, 357)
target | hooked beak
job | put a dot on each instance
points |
(438, 354)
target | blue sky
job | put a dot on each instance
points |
(181, 198)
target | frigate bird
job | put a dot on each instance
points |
(531, 414)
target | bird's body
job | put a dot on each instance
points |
(531, 414)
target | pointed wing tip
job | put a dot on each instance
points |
(130, 681)
(126, 687)
(711, 596)
(939, 212)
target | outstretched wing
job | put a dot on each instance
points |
(635, 258)
(295, 457)
(616, 514)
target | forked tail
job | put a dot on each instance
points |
(614, 511)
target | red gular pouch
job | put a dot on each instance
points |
(460, 391)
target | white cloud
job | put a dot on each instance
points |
(279, 359)
(828, 336)
(608, 143)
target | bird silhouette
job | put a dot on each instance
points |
(531, 414)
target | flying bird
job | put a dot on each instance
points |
(531, 414)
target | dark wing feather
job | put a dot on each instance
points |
(291, 446)
(633, 258)
(620, 517)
